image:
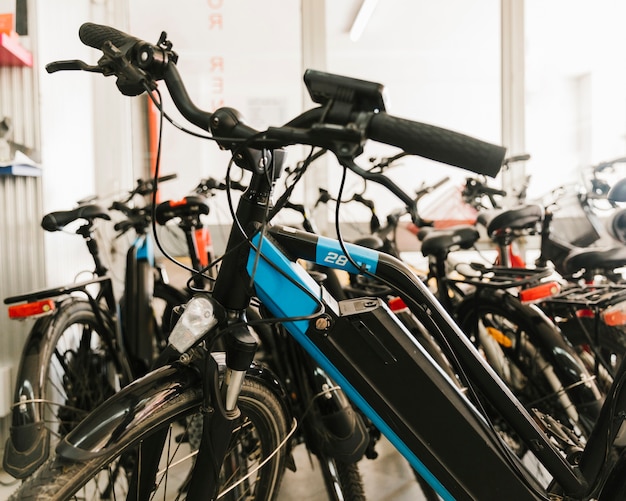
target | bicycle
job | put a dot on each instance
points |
(84, 345)
(357, 342)
(329, 427)
(586, 296)
(494, 307)
(521, 344)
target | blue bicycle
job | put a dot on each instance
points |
(449, 436)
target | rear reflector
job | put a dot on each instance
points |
(615, 315)
(35, 309)
(538, 292)
(500, 337)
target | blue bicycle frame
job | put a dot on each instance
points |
(136, 305)
(392, 379)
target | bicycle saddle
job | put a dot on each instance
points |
(191, 206)
(607, 258)
(517, 218)
(438, 242)
(56, 221)
(371, 242)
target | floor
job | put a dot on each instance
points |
(387, 478)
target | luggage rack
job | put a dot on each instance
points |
(500, 277)
(590, 296)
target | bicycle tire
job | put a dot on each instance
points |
(261, 412)
(521, 356)
(342, 480)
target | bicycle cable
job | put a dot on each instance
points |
(507, 453)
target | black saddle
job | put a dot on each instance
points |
(517, 218)
(439, 242)
(56, 221)
(188, 207)
(606, 259)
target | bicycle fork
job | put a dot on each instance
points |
(220, 411)
(220, 416)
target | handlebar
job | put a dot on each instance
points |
(608, 164)
(138, 65)
(137, 217)
(209, 185)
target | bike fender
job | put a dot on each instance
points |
(111, 423)
(583, 389)
(27, 446)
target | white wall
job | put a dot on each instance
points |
(244, 54)
(67, 138)
(575, 88)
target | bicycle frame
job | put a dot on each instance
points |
(137, 324)
(371, 356)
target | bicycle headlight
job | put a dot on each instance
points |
(196, 320)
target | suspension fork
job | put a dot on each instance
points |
(221, 413)
(220, 417)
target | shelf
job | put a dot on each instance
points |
(12, 53)
(20, 170)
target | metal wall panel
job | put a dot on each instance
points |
(19, 102)
(21, 238)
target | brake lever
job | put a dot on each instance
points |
(72, 65)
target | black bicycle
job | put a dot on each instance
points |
(364, 348)
(85, 345)
(329, 427)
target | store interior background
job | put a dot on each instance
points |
(544, 78)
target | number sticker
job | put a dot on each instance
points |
(341, 261)
(330, 253)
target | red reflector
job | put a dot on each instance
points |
(31, 309)
(396, 304)
(585, 313)
(539, 292)
(615, 315)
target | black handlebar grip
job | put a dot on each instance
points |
(438, 144)
(94, 35)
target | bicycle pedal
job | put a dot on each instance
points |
(565, 437)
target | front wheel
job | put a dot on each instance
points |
(252, 469)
